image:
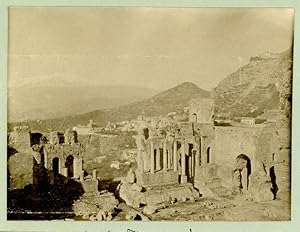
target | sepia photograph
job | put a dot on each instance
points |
(149, 113)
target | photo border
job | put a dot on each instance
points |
(186, 226)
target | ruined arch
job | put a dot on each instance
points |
(69, 164)
(56, 165)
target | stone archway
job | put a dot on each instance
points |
(242, 172)
(69, 164)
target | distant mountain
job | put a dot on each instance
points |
(52, 100)
(255, 87)
(174, 99)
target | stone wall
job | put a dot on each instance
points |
(233, 141)
(159, 178)
(201, 110)
(20, 168)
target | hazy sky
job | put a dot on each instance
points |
(152, 47)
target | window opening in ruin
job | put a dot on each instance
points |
(273, 157)
(146, 133)
(194, 118)
(208, 155)
(61, 138)
(35, 138)
(55, 166)
(70, 165)
(274, 188)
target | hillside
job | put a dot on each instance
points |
(255, 87)
(174, 99)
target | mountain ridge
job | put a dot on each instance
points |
(170, 100)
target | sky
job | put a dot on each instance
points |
(150, 47)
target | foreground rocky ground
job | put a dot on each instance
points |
(205, 209)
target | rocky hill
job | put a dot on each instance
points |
(174, 99)
(262, 84)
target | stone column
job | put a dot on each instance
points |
(75, 168)
(244, 174)
(197, 163)
(158, 167)
(65, 174)
(183, 165)
(152, 161)
(81, 177)
(175, 167)
(203, 152)
(197, 159)
(165, 156)
(169, 154)
(191, 164)
(45, 159)
(140, 161)
(94, 174)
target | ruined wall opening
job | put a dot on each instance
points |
(55, 166)
(146, 133)
(35, 138)
(194, 117)
(273, 157)
(208, 158)
(274, 187)
(61, 138)
(69, 164)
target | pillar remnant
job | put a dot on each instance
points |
(183, 164)
(175, 167)
(165, 157)
(94, 174)
(152, 161)
(81, 177)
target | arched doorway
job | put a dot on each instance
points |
(243, 166)
(55, 166)
(70, 165)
